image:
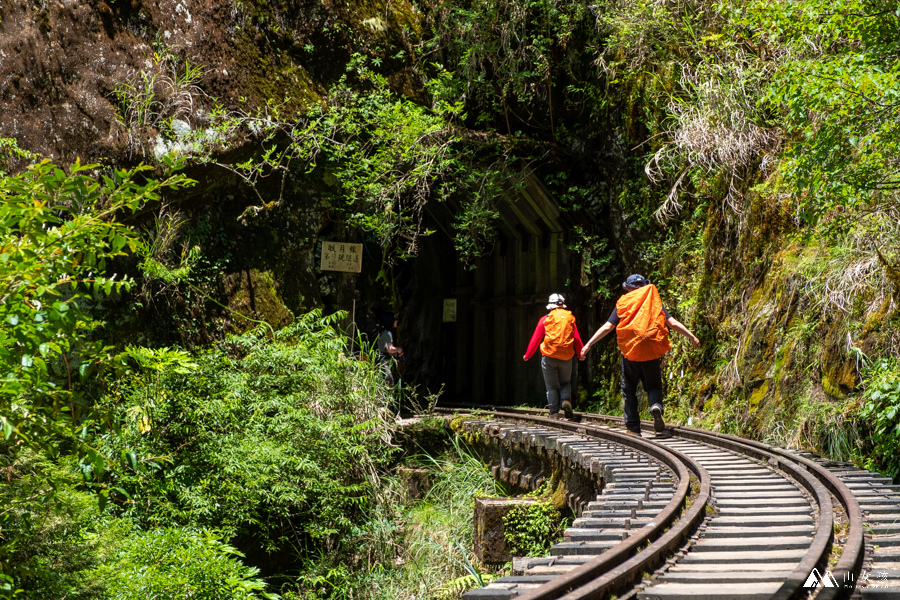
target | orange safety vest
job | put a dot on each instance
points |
(559, 334)
(642, 334)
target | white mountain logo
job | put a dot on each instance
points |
(816, 580)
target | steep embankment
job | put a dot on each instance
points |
(71, 70)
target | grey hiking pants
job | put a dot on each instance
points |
(558, 380)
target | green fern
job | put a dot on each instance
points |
(455, 588)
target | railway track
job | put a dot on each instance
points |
(702, 515)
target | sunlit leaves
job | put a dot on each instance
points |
(58, 232)
(275, 439)
(179, 564)
(838, 87)
(881, 408)
(389, 154)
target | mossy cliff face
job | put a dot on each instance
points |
(786, 319)
(60, 62)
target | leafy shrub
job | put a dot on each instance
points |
(47, 549)
(272, 442)
(58, 233)
(531, 529)
(180, 564)
(275, 442)
(881, 407)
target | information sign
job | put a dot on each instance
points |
(341, 256)
(449, 310)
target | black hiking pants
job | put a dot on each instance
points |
(649, 373)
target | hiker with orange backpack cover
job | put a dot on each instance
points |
(642, 331)
(557, 336)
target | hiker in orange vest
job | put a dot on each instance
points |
(557, 336)
(642, 331)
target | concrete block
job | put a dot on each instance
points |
(490, 539)
(416, 482)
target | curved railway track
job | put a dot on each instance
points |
(709, 515)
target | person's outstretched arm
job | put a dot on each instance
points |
(598, 335)
(680, 328)
(536, 338)
(578, 343)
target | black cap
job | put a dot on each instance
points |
(387, 320)
(634, 282)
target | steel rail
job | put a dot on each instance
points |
(850, 563)
(817, 480)
(620, 565)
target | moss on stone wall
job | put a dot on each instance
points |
(788, 331)
(255, 293)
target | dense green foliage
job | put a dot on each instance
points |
(745, 156)
(881, 409)
(58, 236)
(47, 550)
(275, 445)
(179, 564)
(275, 442)
(838, 85)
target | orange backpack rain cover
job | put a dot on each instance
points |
(642, 333)
(559, 335)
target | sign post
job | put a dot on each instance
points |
(346, 258)
(449, 315)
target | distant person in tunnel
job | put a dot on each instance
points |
(642, 331)
(386, 347)
(557, 336)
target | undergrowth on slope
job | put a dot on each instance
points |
(276, 442)
(435, 558)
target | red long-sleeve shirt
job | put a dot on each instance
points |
(538, 336)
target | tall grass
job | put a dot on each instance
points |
(434, 536)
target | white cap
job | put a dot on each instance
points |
(556, 301)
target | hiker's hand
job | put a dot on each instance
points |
(695, 341)
(584, 352)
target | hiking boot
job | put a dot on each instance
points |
(659, 426)
(556, 415)
(567, 408)
(635, 433)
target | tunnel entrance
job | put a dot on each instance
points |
(469, 328)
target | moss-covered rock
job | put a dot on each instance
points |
(255, 294)
(839, 375)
